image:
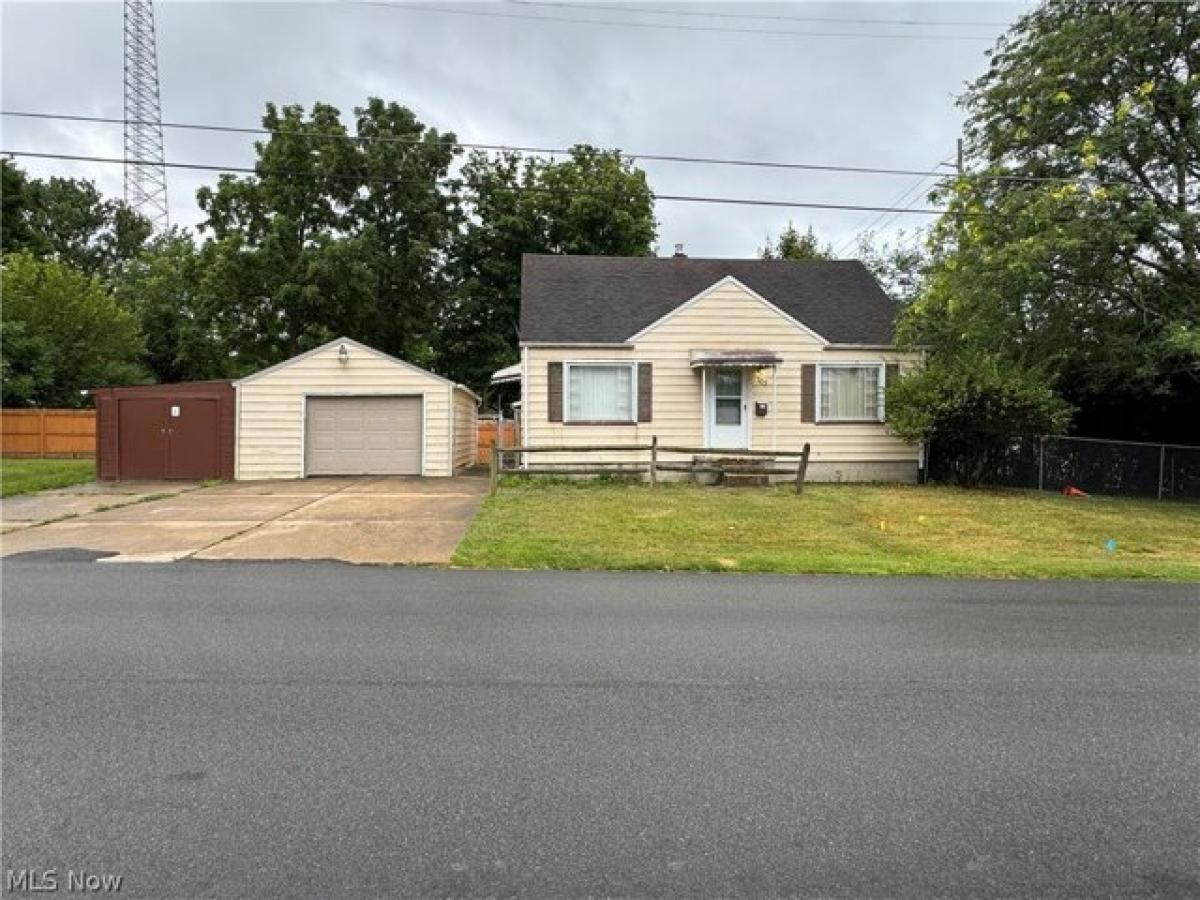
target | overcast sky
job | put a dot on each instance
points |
(864, 100)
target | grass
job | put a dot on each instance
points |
(23, 476)
(845, 529)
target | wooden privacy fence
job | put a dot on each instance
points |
(48, 433)
(489, 433)
(658, 458)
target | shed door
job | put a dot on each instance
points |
(363, 436)
(172, 437)
(193, 439)
(141, 438)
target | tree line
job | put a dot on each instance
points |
(1060, 290)
(381, 233)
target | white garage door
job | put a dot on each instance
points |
(363, 436)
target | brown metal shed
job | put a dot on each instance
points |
(183, 430)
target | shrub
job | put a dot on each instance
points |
(972, 408)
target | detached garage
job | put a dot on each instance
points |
(346, 409)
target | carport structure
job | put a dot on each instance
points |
(347, 409)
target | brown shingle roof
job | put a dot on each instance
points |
(607, 299)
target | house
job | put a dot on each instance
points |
(346, 409)
(712, 353)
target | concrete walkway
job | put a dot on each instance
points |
(362, 520)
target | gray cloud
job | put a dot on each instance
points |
(852, 101)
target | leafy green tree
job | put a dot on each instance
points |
(159, 287)
(791, 244)
(26, 365)
(593, 202)
(333, 234)
(404, 223)
(899, 266)
(63, 333)
(970, 409)
(1074, 244)
(69, 220)
(15, 233)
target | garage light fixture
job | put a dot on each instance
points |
(343, 354)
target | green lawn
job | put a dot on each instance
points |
(22, 476)
(849, 529)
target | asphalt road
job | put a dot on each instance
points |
(319, 730)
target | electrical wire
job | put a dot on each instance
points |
(623, 7)
(560, 151)
(610, 196)
(668, 26)
(674, 198)
(880, 220)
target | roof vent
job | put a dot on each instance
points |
(679, 254)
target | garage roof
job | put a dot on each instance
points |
(350, 342)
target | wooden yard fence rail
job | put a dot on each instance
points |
(48, 433)
(704, 460)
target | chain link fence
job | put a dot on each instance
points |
(1119, 468)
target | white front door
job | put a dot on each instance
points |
(725, 409)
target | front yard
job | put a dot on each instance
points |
(23, 476)
(845, 529)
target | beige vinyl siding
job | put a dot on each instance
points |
(465, 436)
(270, 438)
(727, 318)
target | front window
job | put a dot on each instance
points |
(600, 392)
(851, 393)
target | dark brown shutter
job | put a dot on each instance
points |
(891, 372)
(645, 410)
(808, 393)
(554, 386)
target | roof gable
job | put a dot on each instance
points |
(727, 281)
(358, 345)
(606, 299)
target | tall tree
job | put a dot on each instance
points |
(404, 222)
(159, 287)
(332, 234)
(69, 220)
(62, 333)
(791, 244)
(1073, 247)
(593, 202)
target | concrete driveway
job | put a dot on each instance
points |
(363, 520)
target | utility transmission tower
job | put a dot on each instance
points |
(145, 172)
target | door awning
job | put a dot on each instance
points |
(754, 359)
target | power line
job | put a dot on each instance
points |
(364, 178)
(669, 26)
(622, 7)
(881, 220)
(560, 151)
(673, 198)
